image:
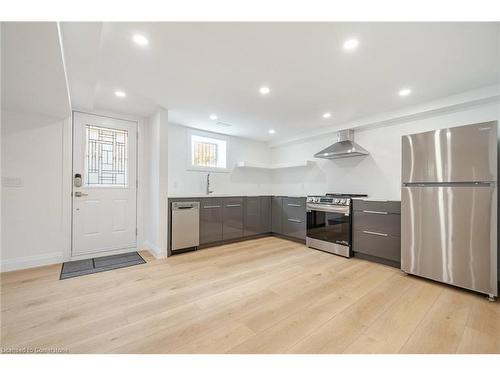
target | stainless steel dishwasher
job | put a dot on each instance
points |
(185, 226)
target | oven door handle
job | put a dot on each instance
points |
(323, 208)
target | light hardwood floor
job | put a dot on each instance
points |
(262, 296)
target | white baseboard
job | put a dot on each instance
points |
(31, 261)
(102, 253)
(154, 250)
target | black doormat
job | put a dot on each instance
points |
(87, 266)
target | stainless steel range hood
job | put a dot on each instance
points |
(345, 147)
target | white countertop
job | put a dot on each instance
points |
(198, 195)
(376, 199)
(194, 195)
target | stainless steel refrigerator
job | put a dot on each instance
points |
(449, 206)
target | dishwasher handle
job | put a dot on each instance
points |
(176, 206)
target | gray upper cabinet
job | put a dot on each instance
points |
(277, 215)
(232, 226)
(294, 217)
(266, 214)
(211, 213)
(252, 216)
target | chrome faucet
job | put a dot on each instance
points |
(208, 185)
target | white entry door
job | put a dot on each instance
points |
(104, 184)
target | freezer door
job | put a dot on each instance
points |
(449, 234)
(460, 154)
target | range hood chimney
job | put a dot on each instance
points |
(345, 147)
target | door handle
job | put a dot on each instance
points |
(233, 205)
(211, 206)
(294, 205)
(79, 194)
(295, 221)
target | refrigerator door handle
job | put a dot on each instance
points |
(450, 184)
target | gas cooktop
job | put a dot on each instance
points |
(334, 198)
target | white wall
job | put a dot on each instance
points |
(379, 174)
(182, 182)
(1, 111)
(156, 192)
(35, 157)
(35, 221)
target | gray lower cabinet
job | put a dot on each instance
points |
(384, 207)
(294, 217)
(232, 218)
(252, 216)
(257, 215)
(377, 245)
(277, 215)
(376, 222)
(232, 222)
(211, 214)
(377, 229)
(266, 214)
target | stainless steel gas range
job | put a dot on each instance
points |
(329, 223)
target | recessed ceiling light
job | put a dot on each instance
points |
(271, 131)
(264, 90)
(140, 40)
(120, 94)
(327, 115)
(404, 92)
(213, 117)
(351, 44)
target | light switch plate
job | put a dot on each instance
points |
(12, 182)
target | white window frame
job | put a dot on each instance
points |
(189, 158)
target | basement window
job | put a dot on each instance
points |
(208, 153)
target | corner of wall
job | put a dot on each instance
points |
(155, 251)
(156, 213)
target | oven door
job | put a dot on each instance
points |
(329, 223)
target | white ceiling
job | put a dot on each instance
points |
(33, 78)
(196, 69)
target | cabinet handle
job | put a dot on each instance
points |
(375, 233)
(211, 206)
(233, 205)
(294, 205)
(376, 212)
(295, 220)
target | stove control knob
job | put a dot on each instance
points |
(337, 201)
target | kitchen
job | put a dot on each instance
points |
(458, 189)
(202, 200)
